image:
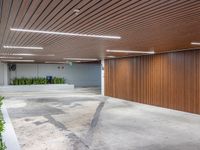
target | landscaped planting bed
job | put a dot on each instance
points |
(2, 145)
(35, 81)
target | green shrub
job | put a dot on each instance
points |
(2, 144)
(35, 81)
(1, 124)
(58, 80)
(1, 101)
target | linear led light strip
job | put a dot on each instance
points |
(195, 43)
(110, 56)
(66, 33)
(21, 47)
(81, 59)
(128, 51)
(54, 62)
(5, 57)
(17, 60)
(27, 54)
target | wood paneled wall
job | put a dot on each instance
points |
(170, 80)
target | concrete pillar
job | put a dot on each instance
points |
(102, 77)
(5, 72)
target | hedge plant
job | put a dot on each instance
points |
(2, 144)
(35, 81)
(58, 80)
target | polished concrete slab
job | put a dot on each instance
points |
(82, 119)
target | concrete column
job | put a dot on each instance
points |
(5, 74)
(102, 77)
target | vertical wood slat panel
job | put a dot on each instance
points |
(198, 81)
(170, 80)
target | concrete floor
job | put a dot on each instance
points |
(82, 119)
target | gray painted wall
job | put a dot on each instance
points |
(77, 74)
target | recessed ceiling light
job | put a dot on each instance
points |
(66, 33)
(195, 43)
(17, 60)
(128, 51)
(5, 57)
(76, 11)
(79, 59)
(21, 47)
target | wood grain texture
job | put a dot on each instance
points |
(162, 25)
(170, 80)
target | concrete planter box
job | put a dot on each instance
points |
(9, 136)
(33, 88)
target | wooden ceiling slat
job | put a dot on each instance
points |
(140, 5)
(182, 18)
(158, 37)
(143, 24)
(161, 14)
(14, 8)
(53, 38)
(120, 8)
(39, 37)
(84, 7)
(168, 21)
(59, 14)
(19, 18)
(134, 14)
(20, 15)
(142, 14)
(6, 9)
(40, 18)
(35, 12)
(86, 13)
(57, 10)
(128, 19)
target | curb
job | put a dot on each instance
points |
(9, 136)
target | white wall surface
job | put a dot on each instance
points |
(77, 74)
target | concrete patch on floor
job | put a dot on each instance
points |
(53, 123)
(37, 133)
(79, 121)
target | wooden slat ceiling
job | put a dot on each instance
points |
(162, 25)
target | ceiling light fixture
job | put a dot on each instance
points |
(22, 47)
(128, 51)
(79, 59)
(54, 62)
(27, 54)
(17, 60)
(76, 11)
(66, 33)
(110, 56)
(5, 57)
(195, 43)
